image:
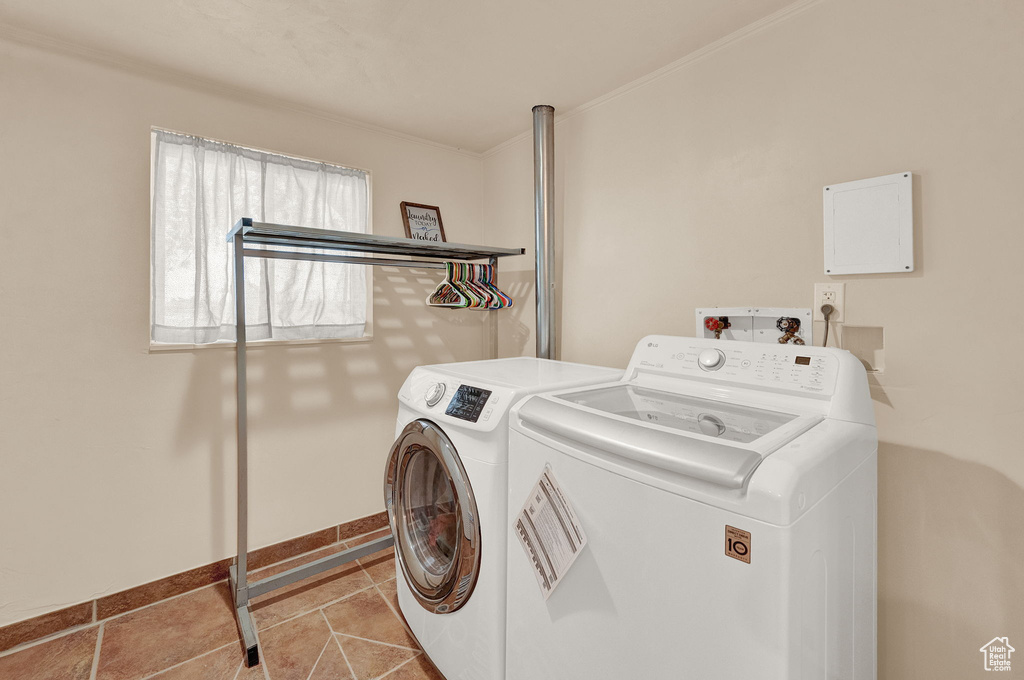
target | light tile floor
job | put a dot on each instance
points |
(339, 625)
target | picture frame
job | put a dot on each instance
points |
(422, 222)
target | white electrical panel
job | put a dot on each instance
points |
(869, 225)
(778, 325)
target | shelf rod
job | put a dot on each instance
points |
(241, 591)
(286, 578)
(327, 239)
(344, 259)
(245, 625)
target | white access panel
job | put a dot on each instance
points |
(869, 225)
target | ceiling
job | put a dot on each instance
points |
(464, 73)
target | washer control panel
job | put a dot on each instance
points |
(796, 368)
(467, 403)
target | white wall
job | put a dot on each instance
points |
(117, 464)
(703, 187)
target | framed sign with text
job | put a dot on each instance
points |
(422, 222)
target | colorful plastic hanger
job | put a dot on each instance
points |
(469, 286)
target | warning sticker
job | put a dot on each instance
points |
(737, 543)
(549, 532)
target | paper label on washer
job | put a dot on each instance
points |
(549, 532)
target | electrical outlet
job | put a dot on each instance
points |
(830, 294)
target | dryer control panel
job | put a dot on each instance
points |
(467, 403)
(447, 399)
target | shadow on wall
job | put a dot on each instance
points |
(950, 565)
(877, 390)
(302, 388)
(515, 326)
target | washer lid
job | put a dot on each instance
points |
(719, 442)
(725, 421)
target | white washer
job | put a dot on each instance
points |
(728, 492)
(446, 496)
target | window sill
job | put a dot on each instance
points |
(161, 347)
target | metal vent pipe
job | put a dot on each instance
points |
(544, 218)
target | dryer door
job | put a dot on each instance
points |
(433, 517)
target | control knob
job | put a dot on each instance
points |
(435, 393)
(711, 425)
(711, 359)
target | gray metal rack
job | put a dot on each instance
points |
(298, 241)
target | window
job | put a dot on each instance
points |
(200, 189)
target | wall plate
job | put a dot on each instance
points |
(838, 294)
(869, 225)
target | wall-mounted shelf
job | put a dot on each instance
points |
(365, 245)
(304, 243)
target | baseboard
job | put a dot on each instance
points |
(115, 604)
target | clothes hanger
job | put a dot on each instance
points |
(447, 294)
(469, 286)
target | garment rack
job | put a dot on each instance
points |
(299, 240)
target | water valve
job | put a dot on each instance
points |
(789, 326)
(717, 324)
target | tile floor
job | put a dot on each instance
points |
(342, 624)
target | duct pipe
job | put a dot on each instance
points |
(544, 218)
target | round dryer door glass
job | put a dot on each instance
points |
(433, 517)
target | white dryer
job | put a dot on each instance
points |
(446, 497)
(728, 494)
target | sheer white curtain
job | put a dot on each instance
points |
(200, 189)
